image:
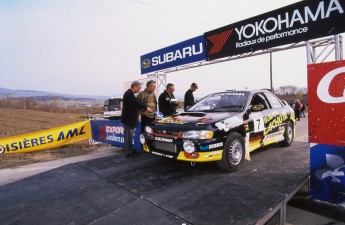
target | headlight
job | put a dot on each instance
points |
(188, 146)
(142, 139)
(198, 134)
(148, 130)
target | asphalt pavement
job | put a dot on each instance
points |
(17, 173)
(302, 211)
(13, 174)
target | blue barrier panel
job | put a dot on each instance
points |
(327, 173)
(111, 132)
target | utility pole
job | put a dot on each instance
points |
(271, 82)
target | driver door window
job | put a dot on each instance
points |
(259, 99)
(275, 103)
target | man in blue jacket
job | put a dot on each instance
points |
(130, 113)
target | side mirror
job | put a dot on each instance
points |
(256, 108)
(246, 114)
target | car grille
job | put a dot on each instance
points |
(166, 132)
(165, 146)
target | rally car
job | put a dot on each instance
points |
(223, 127)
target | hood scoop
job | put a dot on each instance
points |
(195, 114)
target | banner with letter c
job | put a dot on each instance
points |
(326, 98)
(326, 102)
(46, 139)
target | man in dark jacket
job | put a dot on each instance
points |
(129, 117)
(167, 101)
(189, 97)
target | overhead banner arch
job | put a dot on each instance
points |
(312, 24)
(302, 21)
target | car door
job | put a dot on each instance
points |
(275, 120)
(257, 124)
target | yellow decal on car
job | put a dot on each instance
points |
(170, 120)
(276, 122)
(201, 156)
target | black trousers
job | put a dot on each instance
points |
(128, 133)
(297, 114)
(145, 121)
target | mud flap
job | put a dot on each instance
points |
(246, 146)
(146, 148)
(294, 131)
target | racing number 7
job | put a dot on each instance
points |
(259, 124)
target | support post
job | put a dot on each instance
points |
(309, 60)
(271, 75)
(337, 47)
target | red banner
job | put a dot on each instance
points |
(326, 103)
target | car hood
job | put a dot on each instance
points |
(197, 118)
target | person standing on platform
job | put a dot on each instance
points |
(167, 101)
(148, 97)
(130, 114)
(189, 97)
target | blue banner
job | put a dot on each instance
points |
(189, 51)
(327, 173)
(111, 132)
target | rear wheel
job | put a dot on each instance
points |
(233, 154)
(288, 135)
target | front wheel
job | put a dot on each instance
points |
(233, 154)
(288, 135)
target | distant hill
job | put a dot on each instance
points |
(4, 92)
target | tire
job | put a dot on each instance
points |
(288, 135)
(233, 153)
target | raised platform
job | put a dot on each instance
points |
(151, 190)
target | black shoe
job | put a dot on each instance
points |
(129, 155)
(136, 153)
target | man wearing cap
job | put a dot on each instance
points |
(167, 101)
(189, 97)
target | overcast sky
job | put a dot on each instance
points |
(92, 47)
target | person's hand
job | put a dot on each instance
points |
(149, 109)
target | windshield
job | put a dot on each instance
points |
(221, 102)
(106, 105)
(112, 104)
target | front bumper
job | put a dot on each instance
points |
(206, 150)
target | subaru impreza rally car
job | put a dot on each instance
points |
(223, 127)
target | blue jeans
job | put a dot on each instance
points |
(302, 114)
(128, 133)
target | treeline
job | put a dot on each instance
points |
(49, 98)
(290, 92)
(28, 103)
